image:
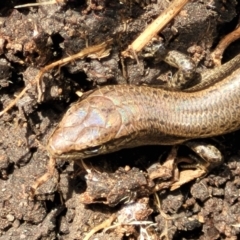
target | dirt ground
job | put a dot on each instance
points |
(72, 203)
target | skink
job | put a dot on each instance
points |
(125, 116)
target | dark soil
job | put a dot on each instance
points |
(71, 203)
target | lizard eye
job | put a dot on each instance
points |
(93, 150)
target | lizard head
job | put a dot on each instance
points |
(95, 125)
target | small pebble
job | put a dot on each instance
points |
(10, 217)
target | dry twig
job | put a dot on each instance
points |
(101, 226)
(157, 25)
(44, 177)
(96, 51)
(223, 44)
(38, 4)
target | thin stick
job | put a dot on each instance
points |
(41, 180)
(102, 225)
(36, 4)
(99, 50)
(223, 44)
(157, 25)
